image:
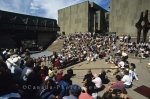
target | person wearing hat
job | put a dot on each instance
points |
(74, 92)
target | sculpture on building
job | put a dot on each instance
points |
(141, 27)
(146, 26)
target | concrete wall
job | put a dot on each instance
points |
(125, 13)
(74, 18)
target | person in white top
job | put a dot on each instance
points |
(121, 38)
(97, 81)
(126, 79)
(126, 38)
(132, 72)
(121, 64)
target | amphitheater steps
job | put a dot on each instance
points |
(56, 46)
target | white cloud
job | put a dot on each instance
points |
(19, 6)
(51, 6)
(43, 8)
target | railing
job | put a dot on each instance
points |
(24, 27)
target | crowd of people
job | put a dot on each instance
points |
(24, 77)
(88, 47)
(79, 47)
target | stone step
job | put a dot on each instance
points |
(56, 46)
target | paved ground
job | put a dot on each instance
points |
(142, 69)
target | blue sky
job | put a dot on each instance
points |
(43, 8)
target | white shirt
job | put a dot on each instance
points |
(126, 37)
(126, 79)
(121, 64)
(131, 74)
(124, 54)
(121, 38)
(98, 82)
(11, 65)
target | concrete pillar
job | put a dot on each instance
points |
(99, 21)
(94, 22)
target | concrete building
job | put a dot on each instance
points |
(124, 14)
(82, 17)
(17, 28)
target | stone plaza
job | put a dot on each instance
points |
(142, 69)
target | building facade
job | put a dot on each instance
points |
(124, 14)
(17, 28)
(83, 17)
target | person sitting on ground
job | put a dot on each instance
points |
(115, 94)
(124, 56)
(30, 77)
(70, 72)
(44, 72)
(104, 77)
(64, 86)
(118, 84)
(59, 76)
(126, 79)
(8, 88)
(87, 78)
(28, 69)
(147, 52)
(48, 90)
(86, 93)
(51, 72)
(13, 64)
(132, 72)
(111, 60)
(121, 66)
(90, 57)
(74, 92)
(97, 85)
(97, 81)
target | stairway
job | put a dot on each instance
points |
(56, 46)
